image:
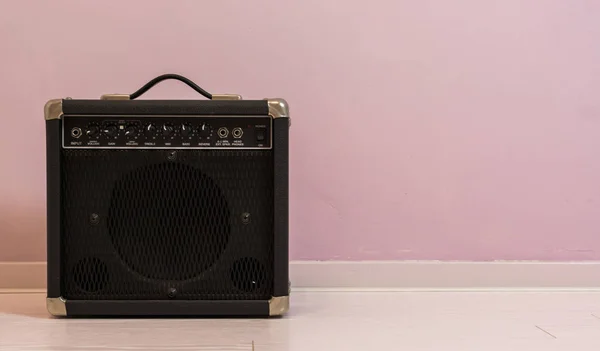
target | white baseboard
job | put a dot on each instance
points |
(397, 275)
(22, 275)
(444, 275)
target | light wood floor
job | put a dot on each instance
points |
(331, 321)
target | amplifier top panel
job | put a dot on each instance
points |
(166, 132)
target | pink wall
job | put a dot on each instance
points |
(448, 130)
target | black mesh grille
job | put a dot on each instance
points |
(152, 225)
(171, 226)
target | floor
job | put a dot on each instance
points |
(331, 321)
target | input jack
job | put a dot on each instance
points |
(237, 133)
(76, 132)
(223, 132)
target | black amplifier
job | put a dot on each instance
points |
(167, 207)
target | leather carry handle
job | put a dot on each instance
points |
(160, 78)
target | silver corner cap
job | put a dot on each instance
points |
(279, 305)
(56, 306)
(226, 97)
(53, 109)
(114, 97)
(278, 108)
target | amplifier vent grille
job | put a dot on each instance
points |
(148, 224)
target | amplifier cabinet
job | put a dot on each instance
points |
(167, 207)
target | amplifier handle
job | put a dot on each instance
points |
(160, 78)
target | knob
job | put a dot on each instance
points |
(131, 131)
(204, 130)
(111, 130)
(150, 130)
(167, 130)
(186, 129)
(92, 131)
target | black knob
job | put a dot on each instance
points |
(204, 130)
(167, 130)
(111, 130)
(186, 129)
(150, 130)
(131, 131)
(92, 131)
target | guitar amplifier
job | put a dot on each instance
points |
(167, 207)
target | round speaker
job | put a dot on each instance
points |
(90, 274)
(168, 221)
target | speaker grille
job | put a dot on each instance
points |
(158, 223)
(146, 225)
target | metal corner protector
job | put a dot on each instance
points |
(279, 305)
(278, 108)
(56, 306)
(53, 109)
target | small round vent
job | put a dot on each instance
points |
(248, 274)
(90, 274)
(168, 221)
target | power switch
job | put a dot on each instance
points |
(260, 134)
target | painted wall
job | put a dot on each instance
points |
(447, 130)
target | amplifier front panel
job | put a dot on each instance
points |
(167, 132)
(162, 225)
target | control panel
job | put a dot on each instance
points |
(167, 132)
